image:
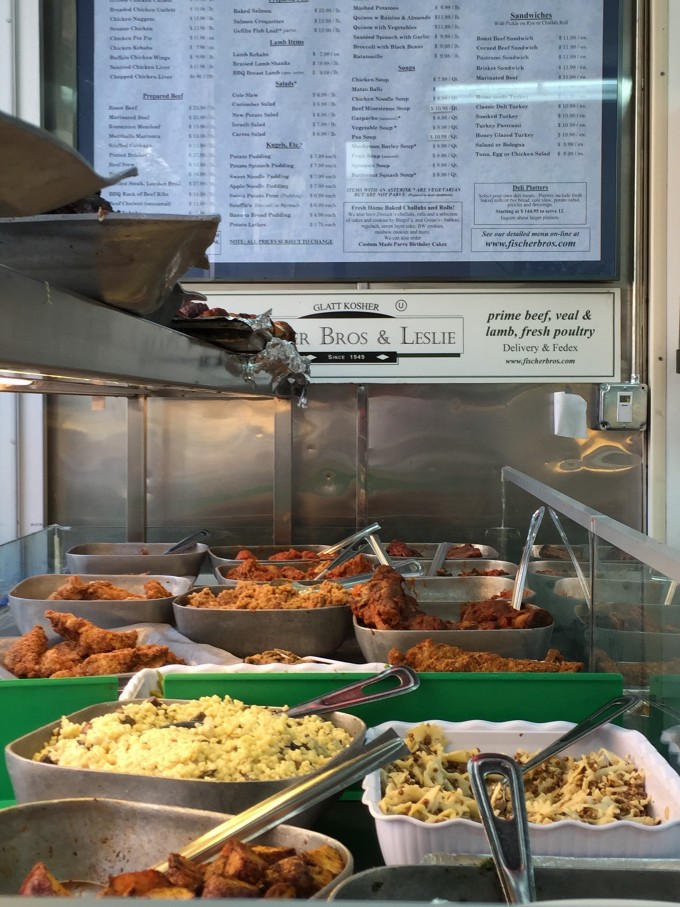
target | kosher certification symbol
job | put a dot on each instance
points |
(401, 305)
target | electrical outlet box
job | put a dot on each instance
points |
(623, 407)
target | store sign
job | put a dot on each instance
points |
(444, 335)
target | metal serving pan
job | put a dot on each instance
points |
(33, 780)
(129, 261)
(29, 600)
(427, 550)
(444, 597)
(455, 567)
(308, 631)
(135, 557)
(92, 839)
(472, 879)
(40, 172)
(376, 644)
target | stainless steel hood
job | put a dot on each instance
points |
(70, 344)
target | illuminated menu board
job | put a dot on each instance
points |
(361, 140)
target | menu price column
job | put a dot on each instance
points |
(201, 56)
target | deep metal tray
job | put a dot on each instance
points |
(39, 781)
(473, 879)
(309, 631)
(29, 600)
(90, 840)
(128, 261)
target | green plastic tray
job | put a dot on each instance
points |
(449, 697)
(26, 705)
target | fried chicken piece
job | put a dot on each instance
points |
(293, 573)
(61, 657)
(41, 883)
(498, 614)
(74, 590)
(150, 655)
(122, 661)
(397, 548)
(353, 567)
(442, 657)
(294, 554)
(154, 589)
(95, 590)
(90, 638)
(104, 590)
(23, 656)
(251, 569)
(384, 604)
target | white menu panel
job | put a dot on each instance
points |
(324, 131)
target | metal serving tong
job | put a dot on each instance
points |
(508, 838)
(287, 804)
(605, 713)
(521, 577)
(353, 694)
(347, 548)
(346, 697)
(572, 556)
(187, 542)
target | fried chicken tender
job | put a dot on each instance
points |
(74, 589)
(23, 656)
(154, 589)
(61, 657)
(104, 590)
(121, 661)
(89, 638)
(441, 657)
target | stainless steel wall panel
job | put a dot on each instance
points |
(210, 462)
(325, 464)
(86, 460)
(422, 460)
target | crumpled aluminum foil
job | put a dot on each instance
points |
(280, 360)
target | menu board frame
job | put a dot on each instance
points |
(430, 268)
